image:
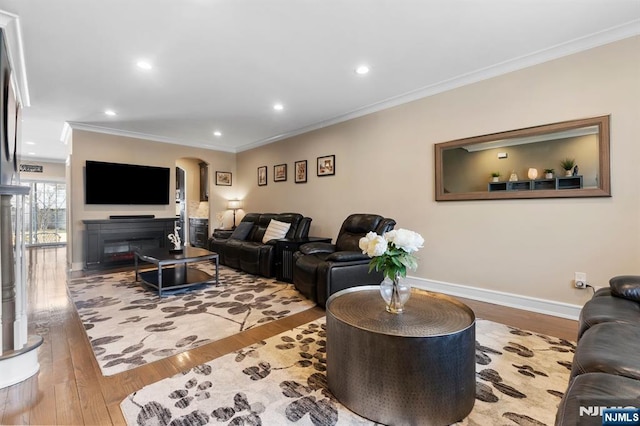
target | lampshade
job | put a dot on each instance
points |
(234, 204)
(533, 173)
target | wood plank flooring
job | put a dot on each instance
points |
(70, 389)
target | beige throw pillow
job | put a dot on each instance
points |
(276, 230)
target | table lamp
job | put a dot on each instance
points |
(234, 205)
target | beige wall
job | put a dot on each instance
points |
(384, 164)
(51, 172)
(118, 149)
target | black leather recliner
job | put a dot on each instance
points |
(606, 366)
(250, 254)
(321, 269)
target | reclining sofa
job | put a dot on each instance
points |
(248, 250)
(606, 365)
(321, 269)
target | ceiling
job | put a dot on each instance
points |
(222, 64)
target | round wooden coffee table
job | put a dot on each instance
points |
(417, 367)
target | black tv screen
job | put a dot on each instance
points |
(115, 183)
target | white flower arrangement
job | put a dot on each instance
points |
(392, 252)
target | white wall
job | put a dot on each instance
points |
(530, 248)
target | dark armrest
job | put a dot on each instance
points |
(222, 234)
(313, 248)
(347, 256)
(626, 286)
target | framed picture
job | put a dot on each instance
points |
(223, 178)
(300, 170)
(280, 173)
(327, 165)
(262, 175)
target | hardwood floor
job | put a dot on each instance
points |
(70, 388)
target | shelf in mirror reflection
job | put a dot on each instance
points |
(461, 172)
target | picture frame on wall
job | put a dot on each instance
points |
(327, 165)
(262, 175)
(280, 173)
(223, 178)
(300, 171)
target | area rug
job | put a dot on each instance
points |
(520, 379)
(130, 325)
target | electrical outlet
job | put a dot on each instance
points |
(580, 279)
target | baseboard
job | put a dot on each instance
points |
(542, 306)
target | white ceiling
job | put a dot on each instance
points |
(222, 64)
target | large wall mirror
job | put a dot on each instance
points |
(559, 160)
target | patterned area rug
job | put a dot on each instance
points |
(520, 378)
(130, 325)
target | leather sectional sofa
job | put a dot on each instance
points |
(245, 249)
(606, 365)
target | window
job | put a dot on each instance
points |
(45, 214)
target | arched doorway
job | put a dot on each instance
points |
(192, 200)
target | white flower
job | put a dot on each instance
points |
(373, 244)
(392, 253)
(404, 239)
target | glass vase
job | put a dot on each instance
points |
(395, 293)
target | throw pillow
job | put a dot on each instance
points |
(627, 286)
(275, 230)
(242, 231)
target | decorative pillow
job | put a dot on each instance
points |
(242, 231)
(627, 286)
(275, 230)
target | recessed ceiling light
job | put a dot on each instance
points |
(110, 112)
(31, 153)
(278, 107)
(144, 65)
(362, 70)
(217, 133)
(30, 143)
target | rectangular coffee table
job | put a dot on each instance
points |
(172, 274)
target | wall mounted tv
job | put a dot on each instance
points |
(115, 183)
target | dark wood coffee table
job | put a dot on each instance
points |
(172, 274)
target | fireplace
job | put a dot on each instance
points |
(122, 250)
(110, 243)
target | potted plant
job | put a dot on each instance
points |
(548, 173)
(495, 176)
(567, 164)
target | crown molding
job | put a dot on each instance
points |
(591, 41)
(138, 135)
(10, 23)
(22, 159)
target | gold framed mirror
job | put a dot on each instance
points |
(529, 163)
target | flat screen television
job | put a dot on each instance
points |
(116, 183)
